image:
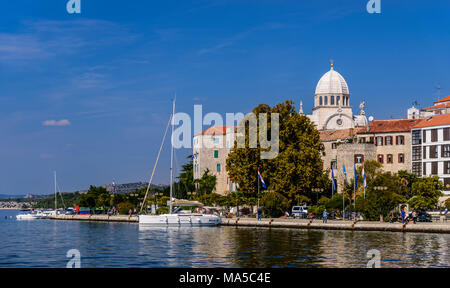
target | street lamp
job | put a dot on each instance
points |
(317, 191)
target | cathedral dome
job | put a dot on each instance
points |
(332, 83)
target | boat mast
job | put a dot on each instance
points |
(55, 192)
(171, 157)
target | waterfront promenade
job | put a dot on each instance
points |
(434, 227)
(97, 218)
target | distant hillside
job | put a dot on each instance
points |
(132, 187)
(5, 196)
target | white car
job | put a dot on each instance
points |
(299, 211)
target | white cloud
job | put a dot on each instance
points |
(45, 156)
(63, 122)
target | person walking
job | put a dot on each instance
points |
(414, 216)
(325, 215)
(259, 212)
(403, 216)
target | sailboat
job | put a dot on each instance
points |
(41, 214)
(180, 217)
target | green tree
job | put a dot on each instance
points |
(207, 183)
(274, 204)
(298, 166)
(427, 191)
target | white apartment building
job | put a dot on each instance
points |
(430, 149)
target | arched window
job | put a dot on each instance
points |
(326, 100)
(332, 100)
(320, 100)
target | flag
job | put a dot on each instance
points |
(332, 178)
(356, 176)
(345, 174)
(364, 177)
(262, 180)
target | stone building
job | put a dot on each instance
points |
(210, 151)
(392, 141)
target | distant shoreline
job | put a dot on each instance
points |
(10, 208)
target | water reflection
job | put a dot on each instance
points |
(44, 243)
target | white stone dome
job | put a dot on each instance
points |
(332, 83)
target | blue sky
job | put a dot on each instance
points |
(112, 70)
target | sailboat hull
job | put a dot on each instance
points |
(180, 220)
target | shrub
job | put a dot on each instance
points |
(447, 203)
(124, 207)
(162, 210)
(274, 204)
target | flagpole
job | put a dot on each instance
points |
(257, 176)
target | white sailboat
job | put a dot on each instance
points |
(180, 218)
(40, 214)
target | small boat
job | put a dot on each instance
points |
(181, 217)
(178, 217)
(31, 215)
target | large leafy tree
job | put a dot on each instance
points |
(426, 192)
(296, 169)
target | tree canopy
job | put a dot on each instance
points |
(297, 168)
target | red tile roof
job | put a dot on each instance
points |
(330, 135)
(434, 121)
(439, 106)
(215, 130)
(385, 126)
(445, 99)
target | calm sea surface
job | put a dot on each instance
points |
(44, 243)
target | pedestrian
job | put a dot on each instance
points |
(324, 215)
(414, 216)
(403, 216)
(134, 211)
(259, 211)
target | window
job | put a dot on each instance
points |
(333, 145)
(320, 100)
(446, 167)
(218, 167)
(424, 169)
(434, 168)
(424, 152)
(416, 168)
(216, 153)
(388, 140)
(389, 159)
(338, 99)
(333, 165)
(446, 134)
(446, 183)
(434, 136)
(380, 158)
(362, 140)
(379, 141)
(401, 158)
(445, 151)
(416, 137)
(359, 158)
(416, 153)
(424, 136)
(326, 100)
(400, 140)
(332, 100)
(433, 152)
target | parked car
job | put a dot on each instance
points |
(423, 216)
(68, 211)
(299, 211)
